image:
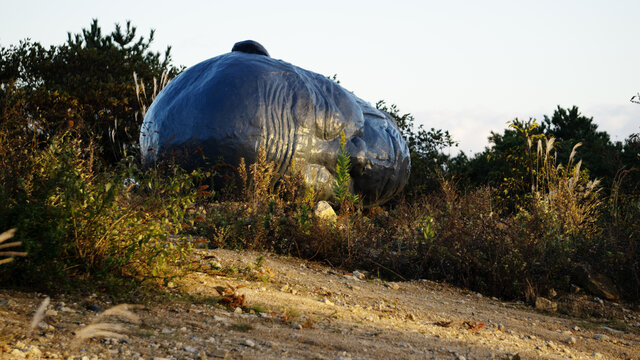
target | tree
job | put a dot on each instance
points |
(507, 163)
(426, 148)
(598, 154)
(86, 84)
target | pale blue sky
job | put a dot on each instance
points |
(465, 66)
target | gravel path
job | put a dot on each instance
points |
(299, 310)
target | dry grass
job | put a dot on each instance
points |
(9, 254)
(145, 100)
(566, 190)
(99, 328)
(39, 315)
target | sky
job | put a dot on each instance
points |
(464, 66)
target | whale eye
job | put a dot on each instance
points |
(250, 47)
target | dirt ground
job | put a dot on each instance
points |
(287, 308)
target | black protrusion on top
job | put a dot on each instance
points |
(250, 47)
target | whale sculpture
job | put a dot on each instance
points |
(229, 106)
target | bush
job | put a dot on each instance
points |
(75, 218)
(467, 238)
(86, 84)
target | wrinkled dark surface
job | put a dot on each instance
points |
(228, 106)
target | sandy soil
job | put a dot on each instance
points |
(300, 310)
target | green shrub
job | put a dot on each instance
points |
(75, 218)
(342, 187)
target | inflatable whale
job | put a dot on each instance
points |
(229, 106)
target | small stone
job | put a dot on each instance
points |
(166, 331)
(94, 307)
(546, 305)
(183, 329)
(67, 309)
(570, 340)
(190, 349)
(611, 330)
(394, 286)
(360, 275)
(238, 310)
(552, 293)
(500, 327)
(325, 212)
(34, 351)
(17, 354)
(44, 325)
(461, 357)
(51, 313)
(600, 337)
(575, 328)
(598, 284)
(598, 300)
(597, 355)
(298, 327)
(327, 301)
(249, 343)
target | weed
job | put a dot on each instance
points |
(259, 261)
(342, 187)
(289, 314)
(229, 296)
(77, 219)
(145, 101)
(241, 326)
(258, 309)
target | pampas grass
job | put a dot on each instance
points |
(4, 237)
(98, 328)
(122, 311)
(39, 315)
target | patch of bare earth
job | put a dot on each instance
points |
(291, 309)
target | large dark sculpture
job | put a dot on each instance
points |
(229, 106)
